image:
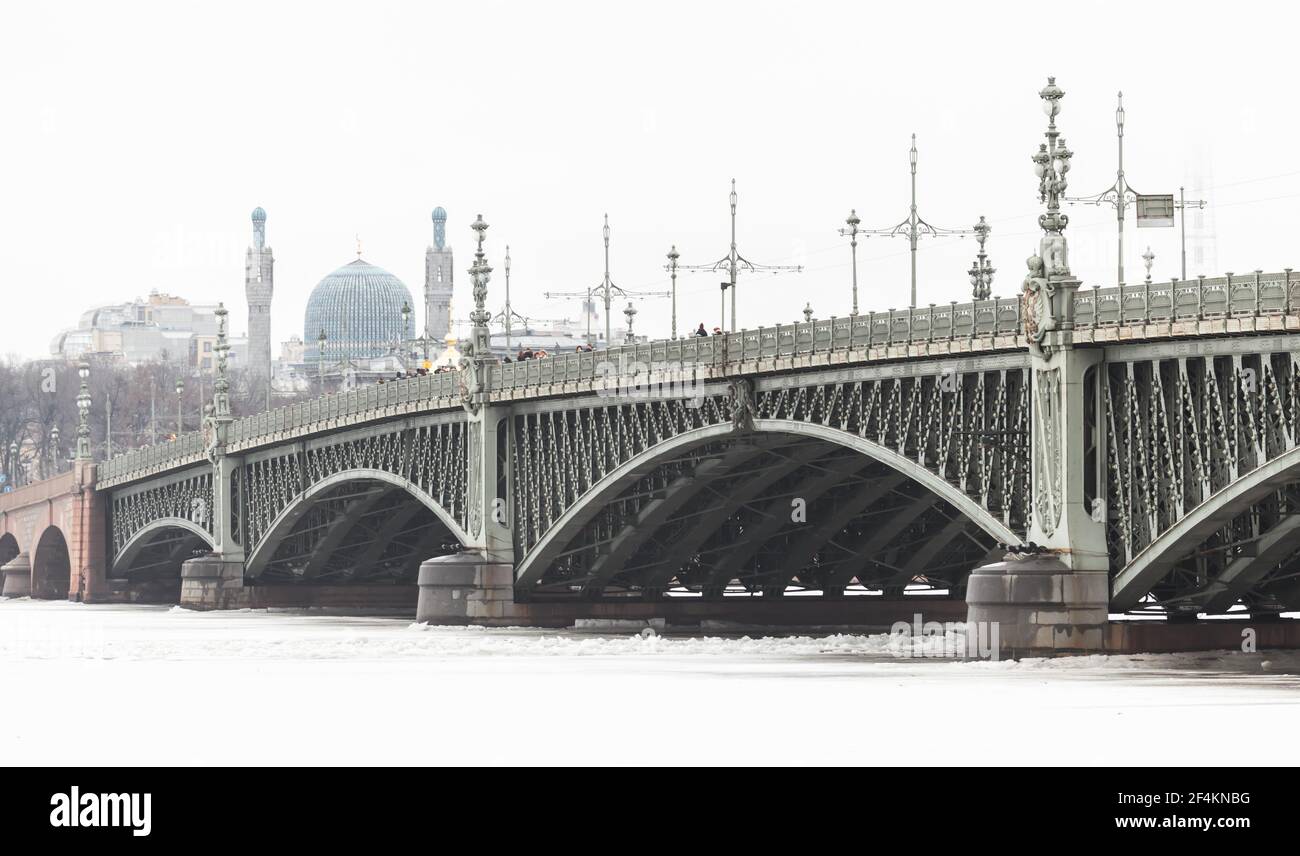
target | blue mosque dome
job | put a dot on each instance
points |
(259, 216)
(440, 213)
(359, 306)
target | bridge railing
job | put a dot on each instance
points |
(38, 491)
(997, 316)
(323, 412)
(1204, 298)
(1232, 296)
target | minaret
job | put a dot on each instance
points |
(437, 281)
(259, 284)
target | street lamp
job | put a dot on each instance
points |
(673, 256)
(180, 407)
(320, 359)
(1147, 259)
(1120, 194)
(630, 313)
(83, 414)
(14, 463)
(914, 228)
(402, 346)
(54, 449)
(852, 232)
(733, 263)
(1182, 205)
(607, 289)
(981, 272)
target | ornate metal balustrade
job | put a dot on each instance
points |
(186, 497)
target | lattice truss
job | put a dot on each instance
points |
(188, 498)
(721, 512)
(1179, 431)
(431, 457)
(362, 531)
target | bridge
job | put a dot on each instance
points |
(828, 471)
(1041, 462)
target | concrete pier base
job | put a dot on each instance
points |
(1040, 606)
(17, 577)
(212, 582)
(468, 588)
(464, 588)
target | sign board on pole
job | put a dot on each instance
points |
(1156, 211)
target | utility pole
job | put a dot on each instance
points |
(852, 233)
(1181, 205)
(733, 263)
(1120, 194)
(607, 289)
(913, 228)
(508, 315)
(671, 267)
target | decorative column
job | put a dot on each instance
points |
(216, 581)
(87, 553)
(476, 584)
(1051, 594)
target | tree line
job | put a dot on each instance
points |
(140, 402)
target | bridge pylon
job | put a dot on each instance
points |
(475, 584)
(216, 580)
(1052, 596)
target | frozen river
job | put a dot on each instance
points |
(153, 685)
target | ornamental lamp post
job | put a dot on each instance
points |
(14, 463)
(83, 413)
(321, 339)
(630, 313)
(180, 407)
(981, 272)
(673, 256)
(54, 449)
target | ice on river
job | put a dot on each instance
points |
(156, 685)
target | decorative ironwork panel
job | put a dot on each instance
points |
(1180, 430)
(969, 428)
(188, 498)
(431, 457)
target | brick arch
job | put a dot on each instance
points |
(51, 565)
(9, 548)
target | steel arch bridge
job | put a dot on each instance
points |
(880, 454)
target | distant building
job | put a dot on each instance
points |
(438, 270)
(162, 328)
(259, 287)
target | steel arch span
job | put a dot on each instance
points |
(1265, 547)
(142, 538)
(367, 514)
(647, 524)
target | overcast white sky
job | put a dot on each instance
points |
(137, 138)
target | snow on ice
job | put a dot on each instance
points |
(157, 685)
